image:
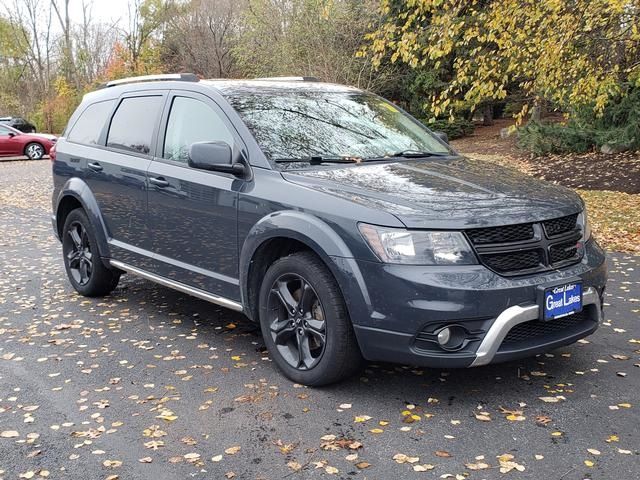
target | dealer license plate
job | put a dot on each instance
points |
(562, 300)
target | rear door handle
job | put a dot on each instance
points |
(158, 182)
(95, 166)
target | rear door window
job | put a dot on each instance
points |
(89, 125)
(133, 124)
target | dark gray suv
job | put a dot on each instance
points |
(343, 226)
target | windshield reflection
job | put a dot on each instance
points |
(293, 125)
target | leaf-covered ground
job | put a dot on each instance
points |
(148, 383)
(609, 184)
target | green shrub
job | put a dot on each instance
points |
(454, 129)
(546, 138)
(618, 127)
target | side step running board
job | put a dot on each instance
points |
(181, 287)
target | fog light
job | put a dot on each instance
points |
(452, 337)
(444, 336)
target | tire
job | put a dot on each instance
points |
(324, 316)
(34, 151)
(82, 262)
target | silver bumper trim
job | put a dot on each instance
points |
(181, 287)
(511, 317)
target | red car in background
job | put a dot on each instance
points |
(14, 143)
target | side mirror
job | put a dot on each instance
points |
(12, 134)
(215, 157)
(442, 136)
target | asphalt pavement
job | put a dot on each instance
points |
(148, 383)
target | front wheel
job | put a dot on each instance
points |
(34, 151)
(305, 323)
(85, 269)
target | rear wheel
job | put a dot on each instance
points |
(305, 323)
(34, 151)
(85, 269)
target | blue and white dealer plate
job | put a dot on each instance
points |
(562, 300)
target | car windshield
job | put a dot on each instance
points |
(299, 125)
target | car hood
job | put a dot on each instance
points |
(444, 193)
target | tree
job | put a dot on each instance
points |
(146, 20)
(308, 37)
(573, 53)
(200, 39)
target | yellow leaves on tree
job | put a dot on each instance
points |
(572, 53)
(55, 110)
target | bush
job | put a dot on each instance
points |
(547, 138)
(617, 127)
(454, 129)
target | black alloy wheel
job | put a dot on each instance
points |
(80, 257)
(305, 323)
(297, 322)
(87, 272)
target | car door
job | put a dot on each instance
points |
(4, 141)
(192, 213)
(10, 144)
(116, 174)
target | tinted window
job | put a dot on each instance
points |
(4, 131)
(301, 124)
(89, 125)
(192, 121)
(133, 124)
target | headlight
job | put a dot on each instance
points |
(583, 221)
(395, 245)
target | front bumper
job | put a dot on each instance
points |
(408, 305)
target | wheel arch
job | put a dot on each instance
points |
(283, 233)
(76, 194)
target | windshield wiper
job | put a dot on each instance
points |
(406, 154)
(318, 159)
(419, 154)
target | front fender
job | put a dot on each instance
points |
(79, 190)
(324, 241)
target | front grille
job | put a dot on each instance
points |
(508, 262)
(508, 233)
(563, 252)
(528, 247)
(560, 225)
(536, 328)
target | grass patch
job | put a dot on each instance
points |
(615, 219)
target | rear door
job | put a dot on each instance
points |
(192, 213)
(116, 174)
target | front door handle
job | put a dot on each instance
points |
(95, 166)
(158, 182)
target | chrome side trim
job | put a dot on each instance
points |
(511, 317)
(181, 287)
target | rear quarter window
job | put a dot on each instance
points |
(89, 125)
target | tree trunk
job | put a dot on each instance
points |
(487, 115)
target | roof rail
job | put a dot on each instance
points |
(289, 79)
(181, 77)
